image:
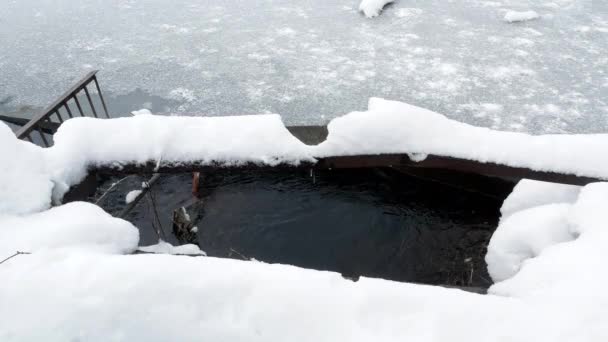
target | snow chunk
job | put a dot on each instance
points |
(141, 112)
(100, 298)
(163, 247)
(76, 225)
(372, 8)
(515, 16)
(132, 195)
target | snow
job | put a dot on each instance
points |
(372, 8)
(163, 247)
(386, 127)
(170, 140)
(515, 16)
(559, 256)
(74, 225)
(529, 194)
(132, 195)
(396, 127)
(547, 255)
(25, 186)
(142, 111)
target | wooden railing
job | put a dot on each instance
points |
(61, 110)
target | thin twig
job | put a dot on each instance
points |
(155, 209)
(110, 189)
(12, 256)
(232, 250)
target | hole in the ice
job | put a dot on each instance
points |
(373, 223)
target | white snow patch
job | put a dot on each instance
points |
(372, 8)
(132, 195)
(529, 194)
(143, 111)
(515, 16)
(163, 247)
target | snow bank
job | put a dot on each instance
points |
(86, 142)
(372, 8)
(163, 247)
(25, 185)
(548, 254)
(396, 127)
(74, 225)
(554, 250)
(386, 127)
(514, 16)
(161, 298)
(530, 194)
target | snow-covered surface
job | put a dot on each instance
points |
(25, 185)
(259, 139)
(386, 127)
(372, 8)
(317, 59)
(163, 247)
(515, 16)
(555, 250)
(395, 127)
(132, 195)
(547, 257)
(74, 225)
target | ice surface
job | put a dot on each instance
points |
(314, 60)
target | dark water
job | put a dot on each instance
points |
(375, 223)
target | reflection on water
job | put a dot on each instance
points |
(375, 223)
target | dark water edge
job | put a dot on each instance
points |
(373, 223)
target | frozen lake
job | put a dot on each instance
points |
(312, 60)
